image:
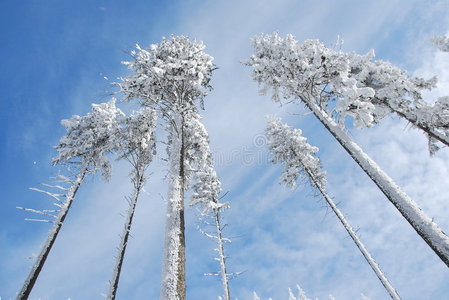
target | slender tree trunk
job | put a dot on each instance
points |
(429, 231)
(383, 279)
(173, 281)
(221, 256)
(40, 261)
(138, 182)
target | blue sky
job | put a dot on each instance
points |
(55, 55)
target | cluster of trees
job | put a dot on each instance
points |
(170, 80)
(334, 85)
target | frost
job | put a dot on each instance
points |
(345, 85)
(291, 149)
(315, 75)
(442, 42)
(173, 78)
(90, 138)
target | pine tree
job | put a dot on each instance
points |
(206, 188)
(137, 146)
(317, 77)
(290, 148)
(83, 148)
(173, 77)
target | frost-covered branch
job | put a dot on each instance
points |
(441, 42)
(362, 88)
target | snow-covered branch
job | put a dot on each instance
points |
(345, 84)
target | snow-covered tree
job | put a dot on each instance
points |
(172, 76)
(206, 188)
(83, 149)
(317, 76)
(136, 145)
(291, 149)
(441, 42)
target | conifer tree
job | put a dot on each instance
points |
(173, 77)
(319, 77)
(290, 148)
(136, 145)
(83, 149)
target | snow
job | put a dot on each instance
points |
(173, 78)
(365, 89)
(314, 75)
(442, 42)
(290, 148)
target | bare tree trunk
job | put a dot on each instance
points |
(429, 231)
(383, 279)
(138, 182)
(40, 261)
(173, 281)
(221, 256)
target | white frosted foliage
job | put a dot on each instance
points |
(89, 138)
(442, 42)
(301, 72)
(166, 72)
(173, 78)
(298, 157)
(290, 148)
(365, 89)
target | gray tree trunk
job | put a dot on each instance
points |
(429, 231)
(138, 182)
(383, 279)
(173, 281)
(40, 261)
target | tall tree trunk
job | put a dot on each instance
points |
(40, 261)
(429, 231)
(138, 182)
(221, 256)
(173, 280)
(383, 279)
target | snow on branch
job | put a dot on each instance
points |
(441, 42)
(172, 73)
(200, 172)
(289, 147)
(136, 134)
(346, 84)
(47, 212)
(90, 138)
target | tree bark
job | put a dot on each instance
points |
(173, 281)
(429, 231)
(125, 235)
(383, 279)
(222, 257)
(40, 261)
